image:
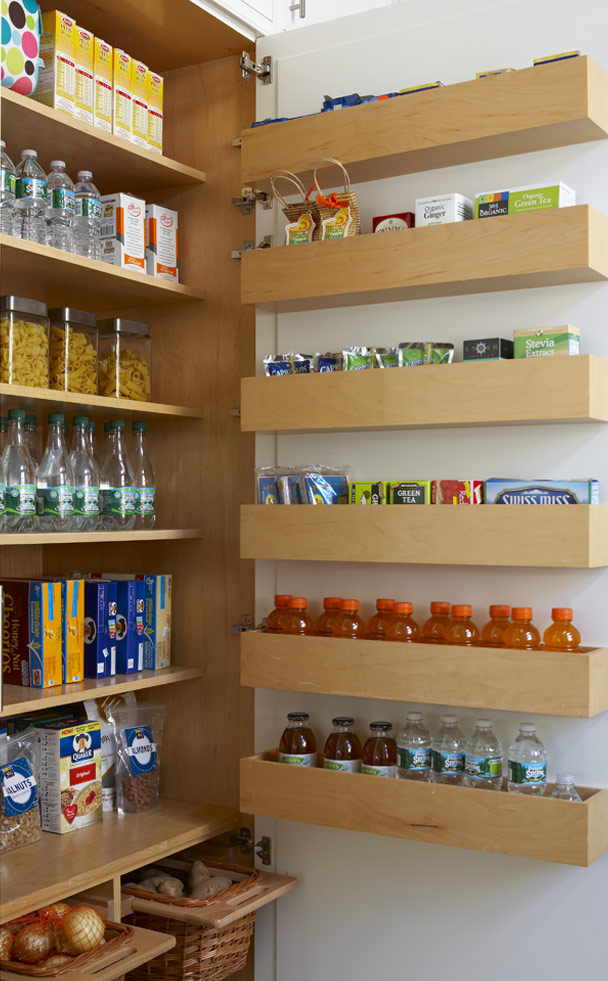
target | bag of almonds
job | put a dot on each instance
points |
(19, 809)
(139, 731)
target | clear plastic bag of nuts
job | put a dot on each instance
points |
(19, 811)
(139, 731)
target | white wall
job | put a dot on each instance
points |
(369, 905)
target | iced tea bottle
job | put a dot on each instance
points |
(461, 630)
(493, 631)
(274, 620)
(380, 751)
(331, 609)
(402, 625)
(377, 626)
(561, 635)
(521, 633)
(298, 745)
(348, 623)
(433, 631)
(297, 620)
(343, 750)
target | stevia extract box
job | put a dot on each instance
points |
(543, 342)
(499, 491)
(31, 633)
(99, 628)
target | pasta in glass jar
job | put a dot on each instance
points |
(24, 342)
(73, 351)
(124, 359)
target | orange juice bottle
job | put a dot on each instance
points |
(297, 621)
(377, 626)
(521, 633)
(402, 625)
(348, 623)
(331, 609)
(434, 629)
(561, 635)
(492, 632)
(461, 630)
(274, 620)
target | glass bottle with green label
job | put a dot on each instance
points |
(145, 490)
(414, 749)
(343, 750)
(483, 758)
(86, 478)
(298, 746)
(447, 752)
(20, 499)
(55, 481)
(117, 483)
(380, 751)
(527, 763)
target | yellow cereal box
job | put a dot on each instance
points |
(72, 629)
(102, 74)
(122, 80)
(31, 633)
(155, 111)
(57, 80)
(70, 775)
(84, 91)
(139, 125)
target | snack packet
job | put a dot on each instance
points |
(425, 352)
(386, 357)
(288, 364)
(19, 810)
(324, 485)
(102, 710)
(357, 358)
(288, 484)
(138, 731)
(327, 362)
(266, 488)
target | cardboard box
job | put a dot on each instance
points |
(122, 101)
(162, 255)
(31, 633)
(57, 79)
(139, 123)
(70, 776)
(459, 492)
(499, 491)
(362, 492)
(543, 342)
(411, 492)
(99, 628)
(516, 200)
(104, 90)
(123, 231)
(72, 629)
(154, 87)
(487, 349)
(84, 88)
(157, 614)
(393, 223)
(443, 209)
(130, 607)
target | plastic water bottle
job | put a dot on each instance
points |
(61, 203)
(86, 478)
(55, 481)
(447, 752)
(145, 489)
(92, 433)
(87, 220)
(30, 430)
(2, 495)
(564, 787)
(7, 193)
(527, 763)
(414, 749)
(117, 483)
(483, 758)
(30, 199)
(3, 433)
(20, 514)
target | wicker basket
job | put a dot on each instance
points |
(117, 935)
(304, 206)
(329, 206)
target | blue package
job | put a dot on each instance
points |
(346, 101)
(325, 488)
(542, 491)
(328, 362)
(99, 628)
(289, 488)
(267, 490)
(130, 600)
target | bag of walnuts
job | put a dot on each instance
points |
(19, 810)
(139, 731)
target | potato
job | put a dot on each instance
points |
(150, 884)
(198, 873)
(220, 882)
(170, 887)
(211, 886)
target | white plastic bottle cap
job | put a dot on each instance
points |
(58, 163)
(527, 727)
(449, 720)
(566, 778)
(2, 143)
(483, 724)
(414, 716)
(28, 153)
(84, 175)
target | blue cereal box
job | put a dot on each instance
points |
(99, 628)
(130, 603)
(500, 491)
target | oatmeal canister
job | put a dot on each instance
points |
(70, 776)
(73, 351)
(124, 359)
(24, 342)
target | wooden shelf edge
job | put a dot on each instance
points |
(25, 394)
(99, 537)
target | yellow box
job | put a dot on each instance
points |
(57, 80)
(84, 89)
(155, 84)
(102, 75)
(72, 597)
(139, 125)
(122, 103)
(31, 649)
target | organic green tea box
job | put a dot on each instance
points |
(542, 342)
(516, 200)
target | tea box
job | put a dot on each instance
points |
(442, 209)
(487, 349)
(362, 492)
(459, 492)
(411, 492)
(542, 342)
(516, 200)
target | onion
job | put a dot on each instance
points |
(80, 930)
(54, 909)
(34, 943)
(6, 943)
(56, 960)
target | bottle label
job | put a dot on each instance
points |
(527, 773)
(2, 497)
(21, 499)
(86, 501)
(298, 759)
(8, 181)
(447, 762)
(88, 208)
(483, 767)
(31, 187)
(55, 500)
(62, 199)
(118, 501)
(344, 766)
(144, 500)
(378, 771)
(414, 759)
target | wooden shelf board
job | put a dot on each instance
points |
(509, 824)
(117, 163)
(61, 865)
(99, 537)
(35, 399)
(568, 537)
(60, 278)
(511, 252)
(525, 391)
(17, 699)
(518, 112)
(544, 682)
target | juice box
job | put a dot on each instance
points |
(99, 628)
(442, 209)
(102, 76)
(155, 85)
(542, 342)
(516, 200)
(70, 776)
(72, 629)
(57, 80)
(161, 243)
(123, 231)
(500, 491)
(139, 124)
(122, 102)
(459, 492)
(411, 492)
(130, 604)
(362, 492)
(84, 91)
(31, 633)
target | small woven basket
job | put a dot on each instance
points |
(347, 196)
(304, 206)
(117, 935)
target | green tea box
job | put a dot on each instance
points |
(411, 492)
(517, 200)
(363, 492)
(543, 342)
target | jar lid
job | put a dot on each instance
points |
(118, 325)
(343, 720)
(298, 716)
(20, 304)
(72, 316)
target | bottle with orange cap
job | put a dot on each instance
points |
(274, 620)
(493, 631)
(377, 626)
(433, 630)
(402, 625)
(298, 620)
(348, 623)
(331, 609)
(562, 635)
(521, 633)
(461, 630)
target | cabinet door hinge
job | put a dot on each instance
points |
(262, 848)
(250, 246)
(245, 623)
(249, 195)
(262, 71)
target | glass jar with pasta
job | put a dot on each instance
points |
(124, 359)
(24, 342)
(73, 351)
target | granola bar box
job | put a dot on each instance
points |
(31, 635)
(70, 776)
